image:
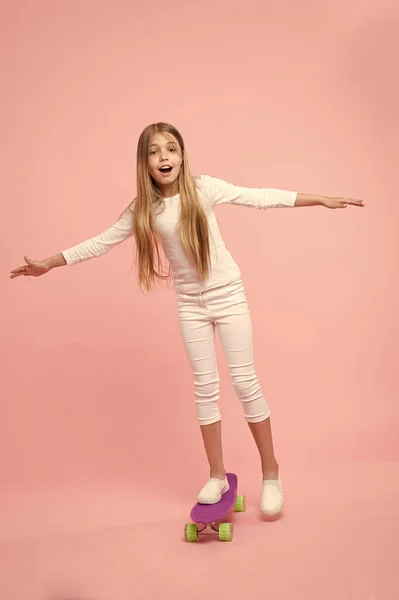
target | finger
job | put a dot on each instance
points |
(15, 275)
(19, 269)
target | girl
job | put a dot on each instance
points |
(175, 211)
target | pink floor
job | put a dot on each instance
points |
(122, 540)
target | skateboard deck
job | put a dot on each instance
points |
(205, 515)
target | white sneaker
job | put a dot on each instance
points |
(213, 490)
(272, 497)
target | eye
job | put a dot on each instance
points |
(153, 151)
(172, 149)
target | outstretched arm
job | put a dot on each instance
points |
(103, 242)
(221, 192)
(95, 246)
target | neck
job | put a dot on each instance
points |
(170, 189)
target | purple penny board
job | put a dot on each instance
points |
(206, 514)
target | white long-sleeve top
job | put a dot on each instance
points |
(212, 192)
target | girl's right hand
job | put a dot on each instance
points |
(33, 268)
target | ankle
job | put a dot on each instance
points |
(217, 473)
(270, 471)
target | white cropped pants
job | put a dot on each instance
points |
(226, 309)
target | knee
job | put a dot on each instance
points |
(246, 387)
(207, 391)
(207, 396)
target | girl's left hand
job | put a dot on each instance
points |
(341, 202)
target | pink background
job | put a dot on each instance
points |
(100, 451)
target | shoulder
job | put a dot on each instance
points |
(132, 205)
(208, 183)
(203, 180)
(214, 188)
(203, 186)
(127, 212)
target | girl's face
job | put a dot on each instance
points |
(164, 161)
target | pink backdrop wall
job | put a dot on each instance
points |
(298, 95)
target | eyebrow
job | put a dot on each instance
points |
(173, 144)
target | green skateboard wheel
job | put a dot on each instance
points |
(225, 532)
(240, 504)
(191, 532)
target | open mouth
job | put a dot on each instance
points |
(165, 170)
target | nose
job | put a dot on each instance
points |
(163, 154)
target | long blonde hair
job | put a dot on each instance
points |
(192, 225)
